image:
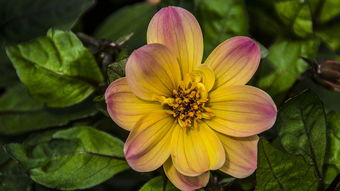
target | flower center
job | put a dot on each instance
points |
(188, 103)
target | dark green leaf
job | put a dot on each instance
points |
(57, 69)
(296, 15)
(75, 158)
(158, 184)
(221, 20)
(330, 35)
(131, 19)
(332, 160)
(25, 20)
(280, 171)
(19, 113)
(302, 128)
(284, 64)
(116, 70)
(13, 178)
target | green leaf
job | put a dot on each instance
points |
(221, 20)
(332, 160)
(131, 19)
(328, 9)
(57, 69)
(75, 158)
(116, 70)
(330, 35)
(25, 20)
(280, 171)
(158, 183)
(13, 178)
(302, 128)
(19, 113)
(296, 15)
(284, 64)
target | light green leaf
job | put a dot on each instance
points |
(280, 171)
(158, 183)
(75, 158)
(25, 20)
(19, 113)
(296, 15)
(131, 19)
(332, 160)
(57, 69)
(302, 128)
(284, 64)
(221, 20)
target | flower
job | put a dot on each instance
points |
(187, 116)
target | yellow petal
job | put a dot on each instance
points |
(241, 111)
(178, 29)
(241, 159)
(124, 107)
(234, 61)
(152, 71)
(196, 150)
(149, 143)
(182, 182)
(207, 75)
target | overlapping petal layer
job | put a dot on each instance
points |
(241, 152)
(241, 111)
(178, 29)
(149, 143)
(152, 71)
(196, 150)
(186, 183)
(124, 107)
(206, 74)
(234, 61)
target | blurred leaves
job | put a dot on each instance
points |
(284, 64)
(280, 171)
(221, 20)
(131, 19)
(19, 113)
(296, 15)
(75, 158)
(60, 71)
(25, 20)
(158, 183)
(302, 129)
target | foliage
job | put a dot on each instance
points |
(55, 133)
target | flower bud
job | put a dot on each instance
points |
(327, 74)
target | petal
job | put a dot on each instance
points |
(148, 145)
(186, 183)
(207, 75)
(124, 107)
(196, 150)
(241, 111)
(234, 61)
(241, 160)
(178, 29)
(152, 71)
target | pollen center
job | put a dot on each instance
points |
(188, 104)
